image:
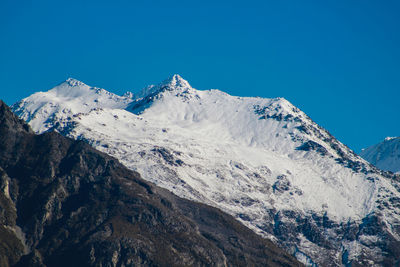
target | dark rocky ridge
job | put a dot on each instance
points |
(79, 207)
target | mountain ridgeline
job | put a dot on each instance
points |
(261, 160)
(63, 203)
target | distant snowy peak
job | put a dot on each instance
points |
(173, 86)
(178, 89)
(176, 81)
(173, 83)
(70, 88)
(384, 155)
(243, 119)
(73, 82)
(70, 97)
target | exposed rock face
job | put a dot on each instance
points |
(62, 203)
(313, 146)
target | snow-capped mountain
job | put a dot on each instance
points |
(384, 155)
(262, 160)
(74, 208)
(68, 98)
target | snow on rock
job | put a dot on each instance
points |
(261, 160)
(44, 109)
(175, 82)
(384, 155)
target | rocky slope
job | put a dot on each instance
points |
(262, 160)
(384, 155)
(62, 203)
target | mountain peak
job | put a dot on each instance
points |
(175, 81)
(389, 138)
(73, 82)
(384, 155)
(71, 88)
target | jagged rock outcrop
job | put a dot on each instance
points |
(63, 203)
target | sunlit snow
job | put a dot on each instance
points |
(240, 154)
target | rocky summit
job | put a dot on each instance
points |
(63, 203)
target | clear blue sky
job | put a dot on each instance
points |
(338, 61)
